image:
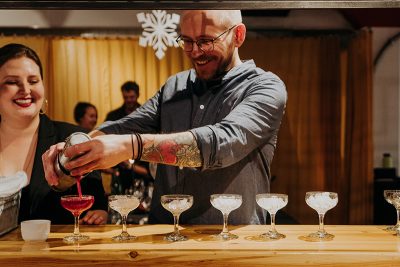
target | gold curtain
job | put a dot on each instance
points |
(327, 124)
(93, 70)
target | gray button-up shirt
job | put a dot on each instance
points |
(235, 122)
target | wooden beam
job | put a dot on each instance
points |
(197, 4)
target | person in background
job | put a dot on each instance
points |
(26, 133)
(85, 115)
(130, 94)
(212, 129)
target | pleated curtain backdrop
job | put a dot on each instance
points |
(94, 69)
(325, 141)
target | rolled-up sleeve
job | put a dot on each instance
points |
(253, 122)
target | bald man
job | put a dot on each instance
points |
(212, 129)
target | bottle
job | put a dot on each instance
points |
(65, 179)
(387, 160)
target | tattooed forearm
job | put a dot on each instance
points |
(178, 149)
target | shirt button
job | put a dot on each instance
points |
(201, 106)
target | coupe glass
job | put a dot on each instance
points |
(76, 205)
(321, 202)
(393, 197)
(226, 203)
(176, 204)
(123, 204)
(272, 203)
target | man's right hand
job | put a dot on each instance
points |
(48, 159)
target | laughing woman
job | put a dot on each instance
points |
(26, 133)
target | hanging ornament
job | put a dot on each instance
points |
(159, 30)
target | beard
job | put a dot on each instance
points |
(223, 66)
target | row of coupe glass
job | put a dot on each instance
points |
(176, 204)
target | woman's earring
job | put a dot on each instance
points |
(45, 105)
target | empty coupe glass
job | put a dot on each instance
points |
(272, 203)
(321, 202)
(226, 203)
(123, 204)
(393, 197)
(176, 204)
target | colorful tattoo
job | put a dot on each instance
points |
(173, 149)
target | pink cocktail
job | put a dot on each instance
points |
(76, 205)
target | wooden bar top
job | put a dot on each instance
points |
(355, 245)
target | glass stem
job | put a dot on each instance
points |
(225, 228)
(124, 230)
(273, 222)
(398, 218)
(76, 226)
(176, 224)
(321, 223)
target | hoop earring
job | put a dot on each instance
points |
(44, 108)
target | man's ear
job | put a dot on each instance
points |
(240, 34)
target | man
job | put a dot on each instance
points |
(130, 94)
(219, 123)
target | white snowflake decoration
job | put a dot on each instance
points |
(158, 30)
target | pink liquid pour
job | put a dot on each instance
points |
(78, 185)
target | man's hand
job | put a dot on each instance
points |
(48, 159)
(102, 152)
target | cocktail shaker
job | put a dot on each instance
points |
(65, 179)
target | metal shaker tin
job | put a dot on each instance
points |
(65, 180)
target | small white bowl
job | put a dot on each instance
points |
(35, 230)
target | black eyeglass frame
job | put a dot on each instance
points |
(201, 41)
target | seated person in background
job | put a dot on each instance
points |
(26, 133)
(85, 115)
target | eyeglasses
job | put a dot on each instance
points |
(204, 44)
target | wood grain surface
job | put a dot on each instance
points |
(355, 245)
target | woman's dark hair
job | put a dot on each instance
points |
(80, 110)
(13, 51)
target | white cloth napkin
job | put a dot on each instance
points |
(10, 185)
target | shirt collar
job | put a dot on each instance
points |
(239, 69)
(231, 74)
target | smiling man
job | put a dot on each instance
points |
(212, 129)
(212, 47)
